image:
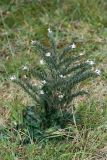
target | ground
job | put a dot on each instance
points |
(81, 21)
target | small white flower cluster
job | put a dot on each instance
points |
(48, 54)
(13, 78)
(41, 92)
(40, 87)
(73, 46)
(98, 72)
(33, 42)
(61, 96)
(38, 84)
(34, 82)
(49, 30)
(90, 62)
(24, 68)
(43, 82)
(41, 61)
(61, 76)
(82, 54)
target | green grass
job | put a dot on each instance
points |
(84, 22)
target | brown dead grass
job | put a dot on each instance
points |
(8, 92)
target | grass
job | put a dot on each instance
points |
(85, 23)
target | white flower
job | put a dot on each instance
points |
(25, 68)
(33, 42)
(68, 75)
(34, 84)
(90, 62)
(41, 92)
(61, 76)
(12, 78)
(87, 61)
(15, 123)
(98, 72)
(40, 86)
(73, 46)
(41, 61)
(61, 96)
(81, 54)
(49, 30)
(44, 82)
(48, 54)
(24, 76)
